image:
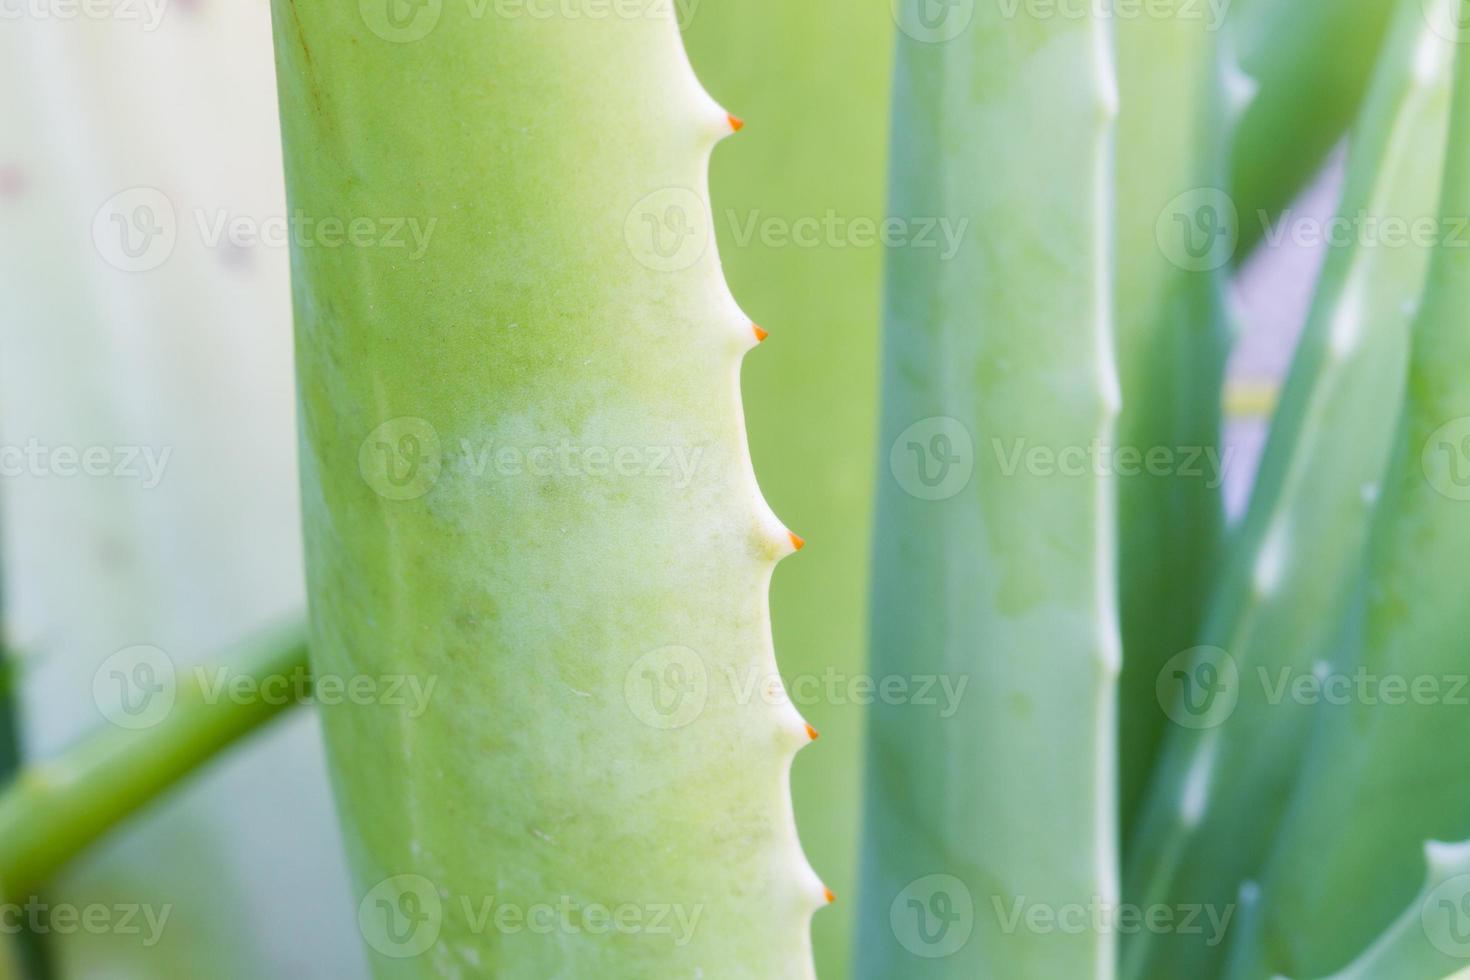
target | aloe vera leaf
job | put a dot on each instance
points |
(990, 570)
(1307, 65)
(593, 745)
(816, 146)
(1374, 786)
(1171, 343)
(1233, 751)
(56, 807)
(1421, 943)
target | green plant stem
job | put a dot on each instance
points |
(1308, 63)
(54, 809)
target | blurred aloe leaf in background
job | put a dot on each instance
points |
(138, 324)
(1174, 241)
(1294, 564)
(1382, 775)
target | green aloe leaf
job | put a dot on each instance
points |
(990, 831)
(1430, 940)
(1171, 344)
(1303, 69)
(1380, 777)
(56, 807)
(525, 478)
(1233, 750)
(797, 201)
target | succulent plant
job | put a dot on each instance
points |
(528, 497)
(986, 569)
(525, 475)
(1295, 561)
(1378, 758)
(1171, 346)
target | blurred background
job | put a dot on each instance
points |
(145, 314)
